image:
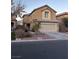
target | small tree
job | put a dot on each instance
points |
(17, 8)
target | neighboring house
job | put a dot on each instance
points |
(46, 16)
(20, 22)
(16, 21)
(62, 15)
(63, 18)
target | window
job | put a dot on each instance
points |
(46, 14)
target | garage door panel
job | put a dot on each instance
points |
(49, 27)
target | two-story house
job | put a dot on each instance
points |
(46, 16)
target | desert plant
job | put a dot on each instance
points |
(36, 27)
(20, 33)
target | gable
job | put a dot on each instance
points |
(39, 14)
(43, 8)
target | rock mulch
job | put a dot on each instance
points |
(38, 36)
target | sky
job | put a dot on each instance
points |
(58, 5)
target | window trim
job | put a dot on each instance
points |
(46, 14)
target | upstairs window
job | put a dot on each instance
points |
(46, 14)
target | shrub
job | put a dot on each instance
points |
(13, 36)
(27, 34)
(36, 27)
(20, 33)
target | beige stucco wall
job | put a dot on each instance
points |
(38, 15)
(43, 15)
(26, 19)
(49, 27)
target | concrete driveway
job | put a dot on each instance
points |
(58, 35)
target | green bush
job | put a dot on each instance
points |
(36, 27)
(13, 36)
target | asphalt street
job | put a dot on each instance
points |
(51, 49)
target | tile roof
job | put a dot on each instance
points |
(60, 14)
